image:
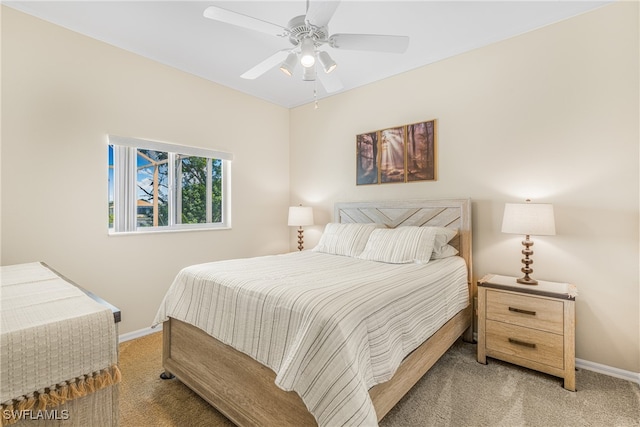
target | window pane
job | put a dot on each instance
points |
(152, 192)
(156, 188)
(110, 186)
(192, 191)
(216, 190)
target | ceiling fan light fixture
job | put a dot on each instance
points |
(289, 64)
(309, 74)
(328, 64)
(307, 52)
(307, 34)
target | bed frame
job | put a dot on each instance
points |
(244, 390)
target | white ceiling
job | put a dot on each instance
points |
(175, 33)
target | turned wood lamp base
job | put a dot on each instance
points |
(300, 238)
(527, 270)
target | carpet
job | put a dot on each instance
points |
(457, 391)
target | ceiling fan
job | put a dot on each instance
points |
(307, 33)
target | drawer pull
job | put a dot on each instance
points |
(519, 310)
(522, 343)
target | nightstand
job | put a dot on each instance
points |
(530, 326)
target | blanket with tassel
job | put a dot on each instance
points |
(56, 343)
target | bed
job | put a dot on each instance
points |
(330, 380)
(58, 351)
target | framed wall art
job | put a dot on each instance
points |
(421, 144)
(392, 155)
(367, 158)
(399, 154)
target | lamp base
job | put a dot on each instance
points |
(300, 239)
(527, 252)
(526, 280)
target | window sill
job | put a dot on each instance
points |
(194, 227)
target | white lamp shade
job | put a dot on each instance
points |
(289, 64)
(328, 64)
(307, 52)
(309, 74)
(529, 218)
(300, 216)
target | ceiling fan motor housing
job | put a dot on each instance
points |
(299, 29)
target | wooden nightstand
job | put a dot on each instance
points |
(531, 326)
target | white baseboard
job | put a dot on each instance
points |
(139, 333)
(608, 370)
(580, 363)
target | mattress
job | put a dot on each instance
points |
(329, 326)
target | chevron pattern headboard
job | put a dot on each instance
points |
(452, 213)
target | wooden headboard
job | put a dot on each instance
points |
(452, 213)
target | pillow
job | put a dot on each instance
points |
(344, 239)
(441, 248)
(444, 252)
(400, 245)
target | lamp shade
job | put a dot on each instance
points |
(328, 64)
(289, 64)
(529, 218)
(300, 216)
(309, 74)
(307, 52)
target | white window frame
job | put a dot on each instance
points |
(125, 178)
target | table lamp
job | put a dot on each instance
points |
(300, 216)
(530, 219)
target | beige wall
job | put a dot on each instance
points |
(62, 93)
(551, 115)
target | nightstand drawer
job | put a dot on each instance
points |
(531, 344)
(526, 310)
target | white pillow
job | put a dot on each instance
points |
(344, 239)
(444, 252)
(441, 248)
(400, 245)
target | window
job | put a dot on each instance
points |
(155, 186)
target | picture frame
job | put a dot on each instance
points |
(392, 155)
(367, 158)
(397, 154)
(421, 151)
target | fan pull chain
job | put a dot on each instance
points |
(315, 94)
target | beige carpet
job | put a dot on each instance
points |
(457, 391)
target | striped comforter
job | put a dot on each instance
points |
(331, 327)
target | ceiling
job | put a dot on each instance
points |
(175, 33)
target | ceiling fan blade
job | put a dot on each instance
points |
(235, 18)
(331, 82)
(374, 42)
(266, 65)
(319, 13)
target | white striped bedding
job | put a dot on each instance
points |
(330, 326)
